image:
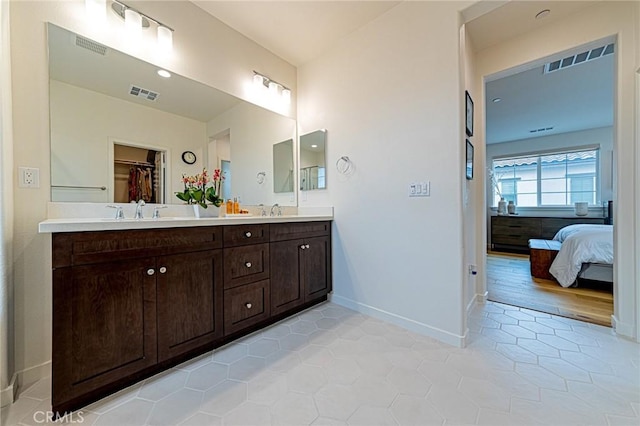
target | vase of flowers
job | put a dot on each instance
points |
(212, 193)
(197, 193)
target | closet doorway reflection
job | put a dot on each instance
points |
(138, 174)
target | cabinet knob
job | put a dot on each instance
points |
(247, 234)
(302, 247)
(248, 264)
(163, 270)
(150, 271)
(306, 246)
(248, 305)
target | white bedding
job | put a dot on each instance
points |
(581, 244)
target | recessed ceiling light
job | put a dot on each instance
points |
(314, 146)
(164, 73)
(543, 14)
(496, 100)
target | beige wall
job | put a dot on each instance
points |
(201, 44)
(602, 20)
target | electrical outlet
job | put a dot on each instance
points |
(28, 177)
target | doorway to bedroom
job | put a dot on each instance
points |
(549, 154)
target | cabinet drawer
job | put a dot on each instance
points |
(245, 306)
(102, 246)
(245, 264)
(240, 235)
(291, 231)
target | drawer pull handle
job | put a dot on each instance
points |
(163, 270)
(248, 305)
(247, 234)
(248, 264)
(150, 271)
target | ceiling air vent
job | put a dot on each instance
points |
(580, 58)
(91, 45)
(143, 93)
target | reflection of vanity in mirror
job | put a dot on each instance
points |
(312, 160)
(119, 130)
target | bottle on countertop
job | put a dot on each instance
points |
(236, 206)
(229, 206)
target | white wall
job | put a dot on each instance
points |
(6, 213)
(472, 191)
(205, 50)
(251, 148)
(84, 123)
(391, 99)
(602, 20)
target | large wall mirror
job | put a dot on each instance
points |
(313, 160)
(120, 130)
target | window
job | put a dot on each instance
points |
(553, 179)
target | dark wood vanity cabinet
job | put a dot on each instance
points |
(123, 301)
(300, 264)
(128, 304)
(189, 305)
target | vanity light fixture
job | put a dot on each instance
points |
(135, 21)
(261, 81)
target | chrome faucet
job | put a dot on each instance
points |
(119, 212)
(263, 212)
(139, 209)
(274, 207)
(156, 211)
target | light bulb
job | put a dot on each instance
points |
(258, 81)
(273, 88)
(133, 22)
(96, 9)
(165, 38)
(286, 95)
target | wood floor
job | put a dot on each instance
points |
(509, 281)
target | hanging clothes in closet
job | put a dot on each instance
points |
(140, 184)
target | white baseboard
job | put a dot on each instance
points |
(23, 378)
(622, 329)
(406, 323)
(8, 394)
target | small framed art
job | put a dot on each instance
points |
(469, 113)
(469, 162)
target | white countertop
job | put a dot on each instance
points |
(79, 217)
(102, 224)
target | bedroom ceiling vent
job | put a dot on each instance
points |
(579, 58)
(147, 94)
(91, 45)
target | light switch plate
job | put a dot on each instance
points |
(420, 189)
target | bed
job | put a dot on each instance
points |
(586, 253)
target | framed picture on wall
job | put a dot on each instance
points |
(469, 113)
(469, 163)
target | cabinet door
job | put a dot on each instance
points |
(286, 284)
(189, 301)
(104, 325)
(316, 273)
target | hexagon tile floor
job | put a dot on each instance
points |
(331, 366)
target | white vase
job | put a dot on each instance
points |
(511, 207)
(581, 208)
(502, 207)
(199, 212)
